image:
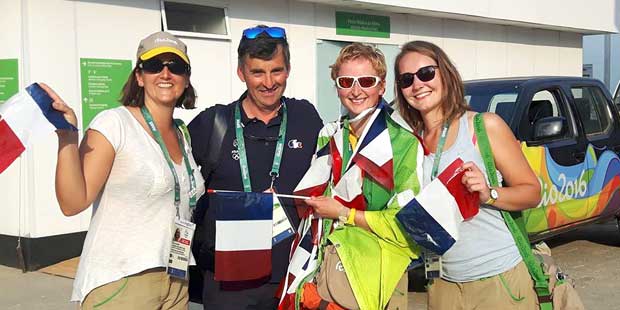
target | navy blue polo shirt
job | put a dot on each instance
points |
(303, 125)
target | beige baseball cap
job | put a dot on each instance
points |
(159, 43)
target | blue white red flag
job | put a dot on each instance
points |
(303, 261)
(25, 117)
(373, 155)
(243, 235)
(432, 217)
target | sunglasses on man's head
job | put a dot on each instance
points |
(424, 74)
(272, 32)
(155, 65)
(365, 81)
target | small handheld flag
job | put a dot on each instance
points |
(432, 218)
(25, 117)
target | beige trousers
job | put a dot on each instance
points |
(150, 289)
(513, 289)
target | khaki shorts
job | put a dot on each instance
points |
(513, 289)
(150, 289)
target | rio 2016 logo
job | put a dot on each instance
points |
(569, 189)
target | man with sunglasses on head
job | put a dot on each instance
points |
(268, 122)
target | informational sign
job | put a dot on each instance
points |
(9, 82)
(102, 81)
(587, 70)
(363, 25)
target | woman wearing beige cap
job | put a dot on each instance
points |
(136, 167)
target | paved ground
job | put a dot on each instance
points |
(590, 255)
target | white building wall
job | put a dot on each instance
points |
(56, 34)
(52, 35)
(11, 181)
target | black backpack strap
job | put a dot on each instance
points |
(220, 126)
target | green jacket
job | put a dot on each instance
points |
(375, 262)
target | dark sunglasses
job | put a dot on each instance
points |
(424, 74)
(365, 81)
(272, 32)
(155, 65)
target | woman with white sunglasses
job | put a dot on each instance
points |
(374, 156)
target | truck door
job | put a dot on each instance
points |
(558, 160)
(599, 121)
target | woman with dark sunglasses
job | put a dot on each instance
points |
(136, 167)
(370, 156)
(483, 269)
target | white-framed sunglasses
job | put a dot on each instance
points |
(364, 81)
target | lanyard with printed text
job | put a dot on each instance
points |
(440, 145)
(243, 159)
(177, 186)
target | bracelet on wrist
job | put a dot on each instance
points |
(351, 218)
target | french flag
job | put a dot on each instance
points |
(433, 216)
(374, 154)
(303, 260)
(318, 175)
(25, 117)
(243, 235)
(371, 158)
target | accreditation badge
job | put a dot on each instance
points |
(282, 227)
(181, 248)
(432, 264)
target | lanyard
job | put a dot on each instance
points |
(177, 186)
(243, 159)
(347, 149)
(440, 145)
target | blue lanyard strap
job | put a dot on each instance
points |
(439, 150)
(243, 159)
(177, 186)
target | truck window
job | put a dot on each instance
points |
(544, 103)
(592, 108)
(492, 99)
(499, 99)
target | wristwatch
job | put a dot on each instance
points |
(493, 196)
(343, 215)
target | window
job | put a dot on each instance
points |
(499, 98)
(195, 19)
(503, 105)
(544, 103)
(592, 108)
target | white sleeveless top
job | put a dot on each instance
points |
(132, 225)
(486, 246)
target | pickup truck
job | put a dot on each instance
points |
(569, 129)
(617, 95)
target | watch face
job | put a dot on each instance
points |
(494, 194)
